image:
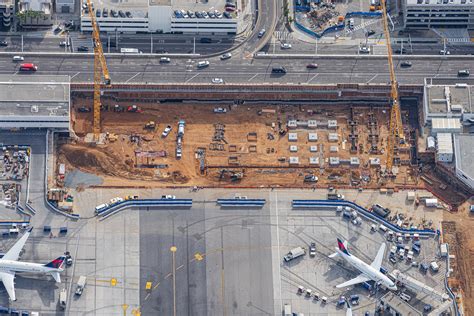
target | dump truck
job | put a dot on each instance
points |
(81, 284)
(150, 125)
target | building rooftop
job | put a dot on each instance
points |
(160, 2)
(445, 143)
(464, 146)
(36, 96)
(138, 8)
(399, 305)
(449, 98)
(440, 3)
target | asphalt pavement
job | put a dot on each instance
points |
(367, 69)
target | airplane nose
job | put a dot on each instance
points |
(393, 287)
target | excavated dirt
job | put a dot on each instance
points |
(457, 231)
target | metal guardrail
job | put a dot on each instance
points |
(10, 223)
(112, 209)
(241, 202)
(334, 203)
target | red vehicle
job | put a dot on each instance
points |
(28, 67)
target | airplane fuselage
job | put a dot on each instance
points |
(18, 266)
(367, 270)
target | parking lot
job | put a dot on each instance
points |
(14, 170)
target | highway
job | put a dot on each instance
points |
(253, 71)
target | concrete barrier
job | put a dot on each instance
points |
(359, 209)
(175, 203)
(241, 202)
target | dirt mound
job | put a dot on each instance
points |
(100, 161)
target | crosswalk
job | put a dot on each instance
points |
(282, 35)
(362, 26)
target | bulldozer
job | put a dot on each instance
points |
(150, 125)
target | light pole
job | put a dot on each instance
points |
(22, 43)
(151, 44)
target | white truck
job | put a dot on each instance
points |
(294, 253)
(63, 299)
(81, 284)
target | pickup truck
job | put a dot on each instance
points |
(294, 253)
(335, 196)
(81, 283)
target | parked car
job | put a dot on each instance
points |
(3, 43)
(165, 60)
(217, 81)
(463, 73)
(18, 58)
(227, 15)
(285, 46)
(312, 66)
(226, 56)
(83, 49)
(167, 131)
(312, 249)
(220, 110)
(97, 13)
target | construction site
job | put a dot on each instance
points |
(244, 143)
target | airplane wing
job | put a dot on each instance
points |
(7, 278)
(14, 252)
(377, 263)
(360, 279)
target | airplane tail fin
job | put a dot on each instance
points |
(56, 276)
(342, 246)
(56, 263)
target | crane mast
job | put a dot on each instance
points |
(100, 69)
(396, 127)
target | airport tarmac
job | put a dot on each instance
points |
(227, 261)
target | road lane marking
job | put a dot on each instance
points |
(312, 78)
(75, 75)
(192, 78)
(181, 266)
(375, 76)
(133, 77)
(253, 77)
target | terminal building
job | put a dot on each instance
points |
(158, 16)
(426, 14)
(34, 102)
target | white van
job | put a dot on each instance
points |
(383, 228)
(287, 310)
(18, 58)
(101, 207)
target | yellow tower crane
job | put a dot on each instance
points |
(100, 69)
(396, 127)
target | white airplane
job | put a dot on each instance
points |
(369, 272)
(9, 265)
